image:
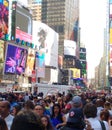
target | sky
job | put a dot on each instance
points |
(92, 24)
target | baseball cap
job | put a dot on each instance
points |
(76, 100)
(75, 115)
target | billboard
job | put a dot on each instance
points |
(15, 61)
(21, 19)
(30, 62)
(40, 64)
(2, 55)
(23, 35)
(46, 40)
(111, 36)
(4, 12)
(110, 1)
(76, 72)
(69, 47)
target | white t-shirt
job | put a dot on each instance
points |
(9, 120)
(95, 123)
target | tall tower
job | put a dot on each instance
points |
(35, 6)
(59, 15)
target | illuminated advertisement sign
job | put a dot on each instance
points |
(23, 36)
(21, 20)
(30, 62)
(15, 61)
(110, 1)
(69, 47)
(76, 72)
(111, 36)
(46, 40)
(110, 60)
(4, 12)
(1, 56)
(40, 64)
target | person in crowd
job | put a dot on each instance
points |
(35, 99)
(46, 122)
(27, 120)
(61, 103)
(75, 120)
(39, 110)
(5, 113)
(12, 99)
(104, 115)
(57, 118)
(90, 113)
(16, 109)
(68, 98)
(100, 106)
(75, 103)
(28, 105)
(44, 104)
(26, 97)
(108, 106)
(20, 98)
(3, 125)
(67, 102)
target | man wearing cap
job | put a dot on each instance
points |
(75, 119)
(75, 103)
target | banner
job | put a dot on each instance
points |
(40, 64)
(15, 61)
(4, 13)
(76, 72)
(1, 56)
(30, 62)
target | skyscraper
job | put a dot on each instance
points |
(60, 15)
(36, 7)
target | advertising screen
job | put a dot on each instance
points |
(30, 62)
(69, 47)
(3, 18)
(40, 64)
(1, 55)
(110, 1)
(46, 40)
(15, 62)
(21, 19)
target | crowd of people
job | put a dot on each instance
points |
(86, 111)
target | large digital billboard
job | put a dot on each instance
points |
(2, 55)
(30, 62)
(69, 47)
(46, 40)
(21, 19)
(4, 12)
(40, 64)
(15, 61)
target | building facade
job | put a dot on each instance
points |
(59, 15)
(36, 8)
